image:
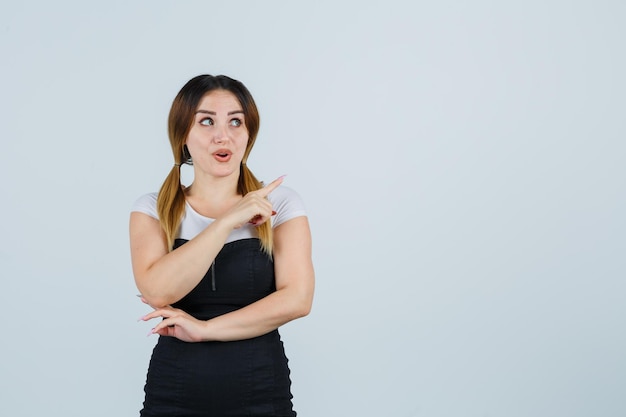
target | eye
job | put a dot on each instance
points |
(207, 121)
(235, 122)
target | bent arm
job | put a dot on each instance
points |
(292, 299)
(164, 277)
(295, 282)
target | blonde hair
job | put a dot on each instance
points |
(171, 199)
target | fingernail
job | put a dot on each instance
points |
(151, 332)
(273, 213)
(282, 176)
(141, 318)
(138, 295)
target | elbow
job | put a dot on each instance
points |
(156, 300)
(302, 308)
(297, 312)
(153, 296)
(303, 313)
(305, 309)
(295, 308)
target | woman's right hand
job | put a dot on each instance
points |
(154, 265)
(253, 208)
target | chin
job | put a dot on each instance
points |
(223, 173)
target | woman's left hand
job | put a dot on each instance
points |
(176, 323)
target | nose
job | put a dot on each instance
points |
(220, 134)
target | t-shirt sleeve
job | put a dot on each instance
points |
(147, 204)
(287, 204)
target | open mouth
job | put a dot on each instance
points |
(222, 155)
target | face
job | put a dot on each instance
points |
(218, 137)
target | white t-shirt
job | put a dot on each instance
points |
(285, 201)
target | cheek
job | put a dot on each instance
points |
(192, 139)
(195, 146)
(242, 142)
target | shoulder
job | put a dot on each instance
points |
(147, 204)
(287, 203)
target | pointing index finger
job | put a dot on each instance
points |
(264, 192)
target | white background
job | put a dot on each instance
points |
(462, 164)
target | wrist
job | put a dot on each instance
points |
(223, 226)
(206, 331)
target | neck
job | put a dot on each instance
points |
(213, 190)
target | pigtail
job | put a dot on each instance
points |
(247, 183)
(171, 205)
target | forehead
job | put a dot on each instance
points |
(219, 100)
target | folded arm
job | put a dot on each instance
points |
(292, 299)
(164, 277)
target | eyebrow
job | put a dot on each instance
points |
(213, 113)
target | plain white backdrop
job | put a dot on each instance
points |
(462, 164)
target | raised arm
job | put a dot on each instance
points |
(164, 277)
(292, 299)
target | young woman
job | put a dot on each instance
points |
(224, 262)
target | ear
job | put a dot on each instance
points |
(186, 154)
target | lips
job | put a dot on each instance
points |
(222, 155)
